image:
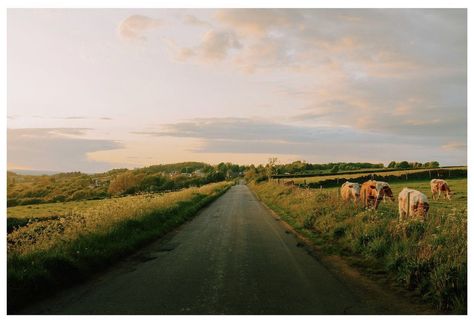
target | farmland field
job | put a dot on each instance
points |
(65, 242)
(458, 200)
(315, 179)
(53, 209)
(427, 257)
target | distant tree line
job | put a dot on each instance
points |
(298, 167)
(413, 165)
(272, 168)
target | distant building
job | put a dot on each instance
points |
(199, 173)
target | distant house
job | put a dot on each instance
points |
(199, 173)
(174, 174)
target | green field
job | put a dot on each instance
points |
(458, 200)
(427, 257)
(51, 209)
(341, 176)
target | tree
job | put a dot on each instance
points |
(392, 164)
(404, 165)
(335, 169)
(434, 164)
(270, 166)
(123, 183)
(250, 174)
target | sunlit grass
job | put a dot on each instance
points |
(427, 257)
(48, 254)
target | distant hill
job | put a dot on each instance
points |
(26, 187)
(33, 172)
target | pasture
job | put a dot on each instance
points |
(427, 257)
(342, 176)
(458, 200)
(58, 209)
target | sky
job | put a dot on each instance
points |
(95, 89)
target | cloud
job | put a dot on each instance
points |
(193, 20)
(215, 45)
(72, 118)
(259, 22)
(251, 136)
(133, 27)
(361, 43)
(454, 146)
(44, 133)
(423, 105)
(66, 118)
(104, 118)
(59, 149)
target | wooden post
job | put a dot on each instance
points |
(321, 187)
(406, 176)
(429, 173)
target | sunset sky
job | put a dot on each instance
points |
(96, 89)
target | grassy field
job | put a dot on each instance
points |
(315, 179)
(23, 215)
(52, 209)
(427, 257)
(76, 239)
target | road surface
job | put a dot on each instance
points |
(233, 258)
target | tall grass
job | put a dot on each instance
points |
(49, 254)
(428, 257)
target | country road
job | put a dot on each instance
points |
(233, 258)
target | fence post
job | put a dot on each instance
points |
(406, 176)
(321, 187)
(430, 173)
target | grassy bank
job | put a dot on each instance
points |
(428, 258)
(47, 255)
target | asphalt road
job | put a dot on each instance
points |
(233, 258)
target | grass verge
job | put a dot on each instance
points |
(428, 258)
(46, 256)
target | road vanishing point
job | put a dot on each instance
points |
(234, 257)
